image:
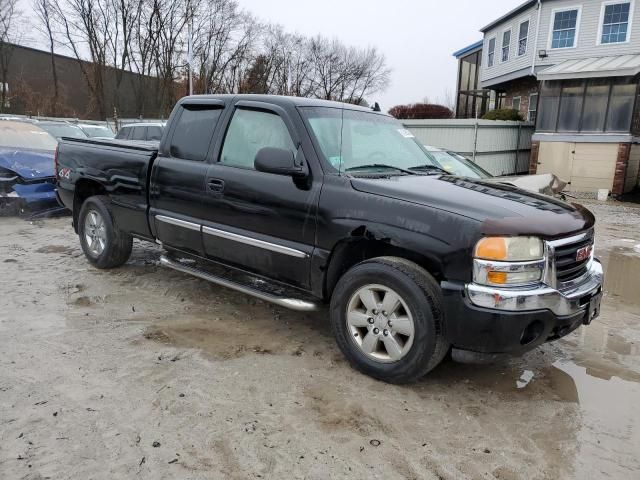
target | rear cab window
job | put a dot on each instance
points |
(193, 131)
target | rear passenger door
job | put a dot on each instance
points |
(178, 194)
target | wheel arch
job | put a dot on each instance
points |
(84, 188)
(350, 251)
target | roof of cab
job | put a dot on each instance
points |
(280, 100)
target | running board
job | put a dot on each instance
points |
(215, 275)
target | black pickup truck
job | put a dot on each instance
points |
(302, 202)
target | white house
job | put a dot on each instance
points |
(572, 66)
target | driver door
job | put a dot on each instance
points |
(262, 222)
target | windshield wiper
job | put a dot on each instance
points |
(381, 165)
(429, 167)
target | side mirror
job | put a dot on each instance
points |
(280, 162)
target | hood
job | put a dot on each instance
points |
(29, 164)
(502, 209)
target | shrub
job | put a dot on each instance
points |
(418, 111)
(503, 114)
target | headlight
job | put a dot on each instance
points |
(508, 261)
(509, 249)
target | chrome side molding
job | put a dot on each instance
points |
(254, 242)
(274, 247)
(179, 223)
(291, 303)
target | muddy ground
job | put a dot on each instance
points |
(143, 372)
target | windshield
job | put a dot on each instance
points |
(25, 136)
(98, 131)
(456, 164)
(352, 140)
(60, 130)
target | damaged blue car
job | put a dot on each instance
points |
(27, 169)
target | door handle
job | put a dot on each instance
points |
(215, 185)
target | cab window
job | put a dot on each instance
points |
(250, 131)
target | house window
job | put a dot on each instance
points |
(533, 107)
(515, 103)
(588, 106)
(506, 45)
(523, 37)
(565, 28)
(491, 55)
(615, 22)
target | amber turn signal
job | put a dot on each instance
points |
(497, 277)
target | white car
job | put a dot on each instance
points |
(456, 164)
(94, 130)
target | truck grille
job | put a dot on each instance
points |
(567, 266)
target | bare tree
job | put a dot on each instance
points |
(87, 25)
(346, 74)
(45, 12)
(224, 41)
(8, 35)
(127, 14)
(232, 52)
(169, 23)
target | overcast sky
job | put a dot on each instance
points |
(417, 36)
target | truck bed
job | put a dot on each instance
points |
(119, 168)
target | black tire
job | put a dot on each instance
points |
(422, 296)
(118, 245)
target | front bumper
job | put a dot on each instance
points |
(568, 300)
(498, 320)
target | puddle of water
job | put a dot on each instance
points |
(609, 435)
(622, 274)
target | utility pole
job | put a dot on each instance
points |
(289, 74)
(190, 50)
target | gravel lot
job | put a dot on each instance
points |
(143, 372)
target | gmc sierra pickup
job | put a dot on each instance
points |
(302, 202)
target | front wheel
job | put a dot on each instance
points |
(104, 245)
(386, 314)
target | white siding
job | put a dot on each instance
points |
(515, 62)
(587, 43)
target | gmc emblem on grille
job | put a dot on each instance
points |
(583, 253)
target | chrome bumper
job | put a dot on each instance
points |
(567, 300)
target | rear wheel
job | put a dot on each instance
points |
(386, 314)
(104, 245)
